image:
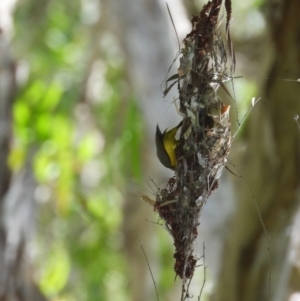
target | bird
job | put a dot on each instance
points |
(166, 145)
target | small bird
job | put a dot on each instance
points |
(166, 144)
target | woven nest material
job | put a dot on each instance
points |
(205, 136)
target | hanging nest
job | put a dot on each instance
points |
(205, 136)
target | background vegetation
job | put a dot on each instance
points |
(77, 125)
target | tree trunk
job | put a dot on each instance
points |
(16, 191)
(271, 169)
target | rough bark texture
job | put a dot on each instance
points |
(271, 169)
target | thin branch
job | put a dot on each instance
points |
(146, 258)
(204, 273)
(173, 26)
(296, 118)
(265, 233)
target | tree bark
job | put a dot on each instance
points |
(270, 158)
(16, 191)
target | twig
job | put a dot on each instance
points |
(265, 233)
(173, 26)
(296, 118)
(254, 102)
(204, 273)
(148, 265)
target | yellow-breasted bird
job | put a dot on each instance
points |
(166, 144)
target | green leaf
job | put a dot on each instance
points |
(56, 270)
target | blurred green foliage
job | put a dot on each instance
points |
(72, 106)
